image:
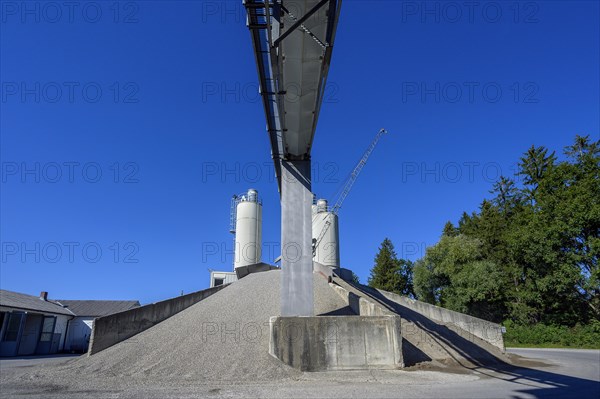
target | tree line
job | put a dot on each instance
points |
(528, 255)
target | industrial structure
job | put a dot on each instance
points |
(325, 235)
(322, 324)
(247, 230)
(293, 44)
(355, 327)
(245, 223)
(326, 248)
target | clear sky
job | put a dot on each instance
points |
(127, 126)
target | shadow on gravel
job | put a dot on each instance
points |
(535, 382)
(421, 332)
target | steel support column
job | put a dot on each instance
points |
(296, 239)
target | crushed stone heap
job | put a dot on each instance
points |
(222, 338)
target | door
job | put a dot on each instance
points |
(9, 342)
(44, 345)
(79, 334)
(30, 334)
(3, 317)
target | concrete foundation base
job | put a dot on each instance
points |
(337, 342)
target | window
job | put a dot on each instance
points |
(219, 281)
(12, 327)
(47, 329)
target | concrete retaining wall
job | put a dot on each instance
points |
(337, 342)
(486, 330)
(325, 271)
(359, 305)
(110, 330)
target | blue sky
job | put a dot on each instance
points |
(126, 127)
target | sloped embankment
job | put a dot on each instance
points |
(222, 338)
(427, 340)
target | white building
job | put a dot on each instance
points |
(221, 278)
(32, 325)
(79, 329)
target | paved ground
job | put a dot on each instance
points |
(568, 374)
(28, 361)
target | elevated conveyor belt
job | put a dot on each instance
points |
(293, 43)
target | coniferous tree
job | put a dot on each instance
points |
(390, 273)
(534, 165)
(531, 253)
(449, 230)
(507, 194)
(582, 147)
(384, 274)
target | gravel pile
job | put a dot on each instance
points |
(222, 338)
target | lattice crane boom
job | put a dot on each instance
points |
(348, 186)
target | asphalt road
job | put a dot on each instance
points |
(568, 374)
(575, 363)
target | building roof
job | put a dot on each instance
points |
(30, 302)
(97, 308)
(64, 306)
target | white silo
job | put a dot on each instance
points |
(328, 249)
(248, 230)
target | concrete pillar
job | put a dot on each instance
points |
(296, 237)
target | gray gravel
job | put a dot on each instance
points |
(222, 338)
(217, 348)
(557, 381)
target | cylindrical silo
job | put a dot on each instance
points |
(248, 230)
(328, 250)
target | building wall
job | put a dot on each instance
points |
(31, 334)
(3, 319)
(7, 348)
(28, 340)
(61, 330)
(228, 277)
(79, 333)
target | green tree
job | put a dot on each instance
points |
(507, 195)
(390, 273)
(406, 286)
(533, 166)
(582, 148)
(467, 224)
(530, 253)
(449, 230)
(455, 274)
(427, 284)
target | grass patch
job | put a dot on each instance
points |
(509, 344)
(543, 336)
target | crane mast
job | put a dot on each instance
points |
(348, 186)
